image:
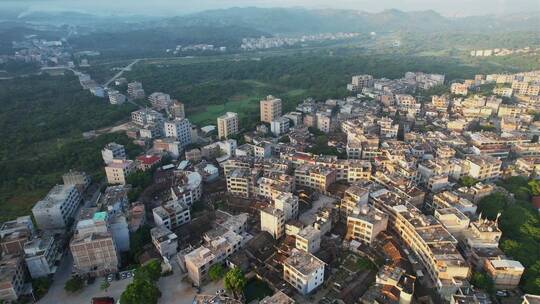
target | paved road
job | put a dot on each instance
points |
(177, 289)
(126, 68)
(57, 294)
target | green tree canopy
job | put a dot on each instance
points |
(216, 272)
(140, 291)
(137, 240)
(235, 281)
(467, 181)
(483, 281)
(491, 205)
(150, 272)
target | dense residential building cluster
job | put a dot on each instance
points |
(385, 188)
(251, 44)
(503, 52)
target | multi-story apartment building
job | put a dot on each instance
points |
(93, 247)
(452, 219)
(324, 122)
(506, 274)
(228, 124)
(314, 177)
(459, 89)
(351, 170)
(354, 197)
(81, 180)
(359, 82)
(220, 244)
(14, 234)
(450, 199)
(441, 103)
(271, 185)
(180, 129)
(365, 223)
(113, 151)
(41, 255)
(176, 110)
(273, 221)
(188, 187)
(303, 271)
(481, 167)
(240, 181)
(145, 117)
(288, 203)
(427, 238)
(308, 239)
(481, 235)
(57, 209)
(12, 278)
(159, 100)
(172, 214)
(118, 170)
(271, 109)
(135, 90)
(387, 129)
(405, 100)
(116, 98)
(502, 91)
(279, 126)
(165, 241)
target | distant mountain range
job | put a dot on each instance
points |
(300, 20)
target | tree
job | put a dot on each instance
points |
(492, 205)
(74, 284)
(137, 240)
(140, 291)
(483, 281)
(150, 272)
(41, 286)
(534, 186)
(216, 272)
(143, 289)
(105, 285)
(467, 181)
(235, 281)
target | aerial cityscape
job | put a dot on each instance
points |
(310, 153)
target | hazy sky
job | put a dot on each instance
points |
(176, 7)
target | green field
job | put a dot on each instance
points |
(246, 105)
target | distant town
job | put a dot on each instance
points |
(368, 199)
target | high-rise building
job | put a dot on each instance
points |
(270, 109)
(227, 124)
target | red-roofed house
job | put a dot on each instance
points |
(145, 162)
